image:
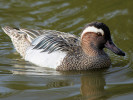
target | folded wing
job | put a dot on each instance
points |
(51, 40)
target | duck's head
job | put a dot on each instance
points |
(97, 36)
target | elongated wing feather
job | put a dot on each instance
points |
(50, 40)
(54, 42)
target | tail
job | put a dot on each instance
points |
(19, 39)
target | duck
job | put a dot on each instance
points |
(64, 51)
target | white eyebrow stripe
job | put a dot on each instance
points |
(92, 29)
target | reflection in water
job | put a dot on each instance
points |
(30, 69)
(92, 82)
(67, 84)
(92, 86)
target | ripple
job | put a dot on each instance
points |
(113, 14)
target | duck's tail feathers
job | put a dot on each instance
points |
(19, 39)
(7, 30)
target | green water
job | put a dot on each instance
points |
(19, 80)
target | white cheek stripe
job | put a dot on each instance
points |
(92, 29)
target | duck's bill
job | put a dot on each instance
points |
(110, 45)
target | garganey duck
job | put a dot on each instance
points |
(64, 51)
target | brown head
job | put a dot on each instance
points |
(96, 36)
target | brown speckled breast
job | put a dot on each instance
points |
(78, 60)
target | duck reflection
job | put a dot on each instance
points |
(89, 84)
(92, 85)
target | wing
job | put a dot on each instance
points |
(51, 40)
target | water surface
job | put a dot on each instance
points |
(20, 80)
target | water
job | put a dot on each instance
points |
(20, 80)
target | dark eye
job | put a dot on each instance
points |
(99, 34)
